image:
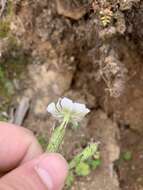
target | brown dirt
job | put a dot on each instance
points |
(74, 55)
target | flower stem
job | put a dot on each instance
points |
(57, 137)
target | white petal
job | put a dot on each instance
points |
(67, 104)
(86, 111)
(58, 105)
(51, 108)
(80, 108)
(77, 111)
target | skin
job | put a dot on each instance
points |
(20, 155)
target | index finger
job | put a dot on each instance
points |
(17, 145)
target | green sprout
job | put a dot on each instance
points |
(82, 169)
(87, 153)
(83, 163)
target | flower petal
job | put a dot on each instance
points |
(58, 105)
(86, 111)
(67, 104)
(80, 108)
(51, 108)
(75, 111)
(54, 111)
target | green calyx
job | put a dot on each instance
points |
(58, 136)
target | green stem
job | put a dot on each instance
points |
(57, 136)
(87, 153)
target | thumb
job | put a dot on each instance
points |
(47, 172)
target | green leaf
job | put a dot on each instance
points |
(70, 179)
(82, 169)
(42, 141)
(95, 163)
(127, 156)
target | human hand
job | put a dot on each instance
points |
(24, 166)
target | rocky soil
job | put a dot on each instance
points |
(90, 51)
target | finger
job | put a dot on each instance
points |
(47, 172)
(17, 145)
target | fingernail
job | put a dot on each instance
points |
(45, 177)
(52, 170)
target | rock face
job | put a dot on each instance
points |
(135, 25)
(127, 109)
(74, 50)
(46, 86)
(74, 12)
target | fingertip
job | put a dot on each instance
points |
(47, 171)
(17, 146)
(52, 170)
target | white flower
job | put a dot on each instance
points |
(67, 109)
